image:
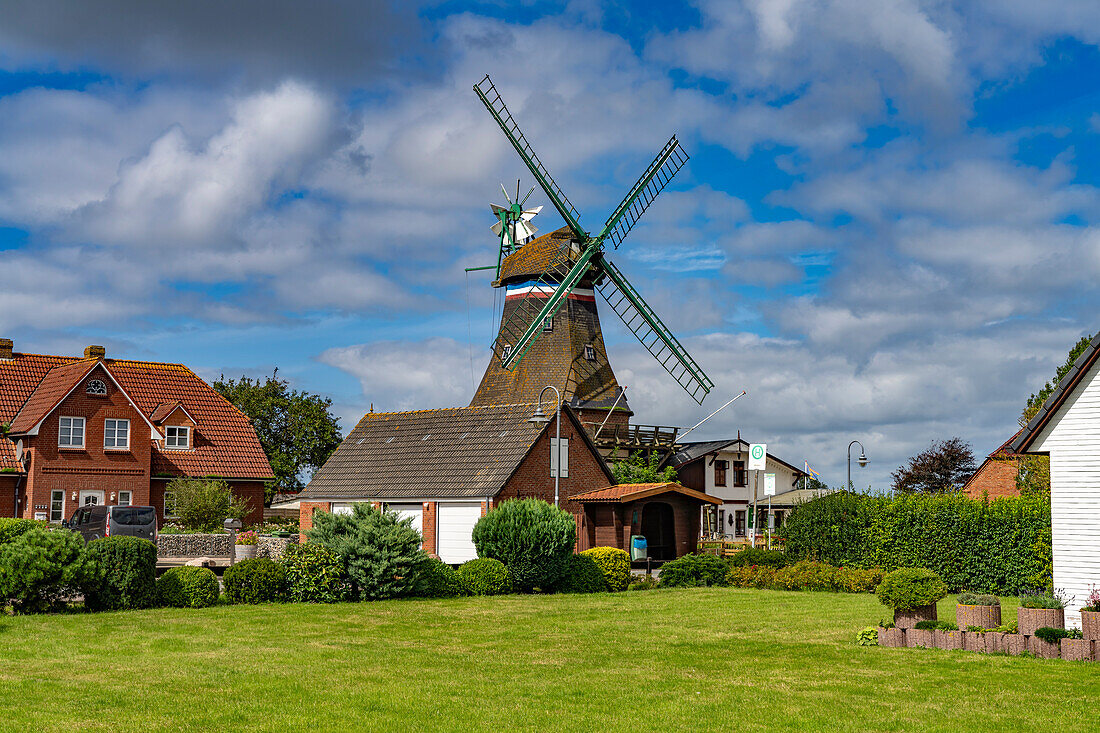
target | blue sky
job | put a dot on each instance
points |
(886, 230)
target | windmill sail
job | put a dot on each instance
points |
(654, 335)
(667, 163)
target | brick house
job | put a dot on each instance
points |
(446, 468)
(997, 475)
(93, 430)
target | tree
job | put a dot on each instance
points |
(203, 505)
(943, 466)
(642, 468)
(1035, 401)
(296, 429)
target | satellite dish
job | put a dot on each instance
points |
(19, 450)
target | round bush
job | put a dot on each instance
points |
(39, 569)
(439, 580)
(534, 539)
(485, 577)
(907, 588)
(614, 564)
(694, 570)
(582, 575)
(188, 587)
(258, 580)
(314, 574)
(12, 528)
(127, 574)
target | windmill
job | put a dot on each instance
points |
(513, 224)
(579, 256)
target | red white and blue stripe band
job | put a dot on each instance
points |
(537, 289)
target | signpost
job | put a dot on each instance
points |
(758, 461)
(769, 491)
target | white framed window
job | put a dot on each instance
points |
(177, 437)
(170, 505)
(548, 323)
(96, 387)
(564, 457)
(70, 432)
(505, 353)
(116, 433)
(57, 505)
(590, 352)
(124, 498)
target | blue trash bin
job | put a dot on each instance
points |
(639, 550)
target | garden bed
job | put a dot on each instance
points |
(991, 642)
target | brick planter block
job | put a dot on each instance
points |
(1043, 649)
(919, 638)
(1030, 619)
(985, 617)
(1090, 625)
(947, 639)
(994, 642)
(909, 619)
(894, 638)
(1077, 650)
(1012, 644)
(974, 641)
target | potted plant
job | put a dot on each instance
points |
(912, 593)
(1090, 616)
(973, 609)
(1039, 611)
(246, 545)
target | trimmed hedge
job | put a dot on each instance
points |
(188, 587)
(759, 556)
(805, 575)
(582, 575)
(614, 564)
(12, 528)
(1001, 546)
(314, 573)
(257, 580)
(439, 580)
(532, 538)
(485, 577)
(127, 574)
(694, 570)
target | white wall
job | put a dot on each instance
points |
(729, 492)
(1072, 437)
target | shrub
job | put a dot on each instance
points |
(582, 575)
(1052, 636)
(694, 570)
(761, 557)
(314, 574)
(12, 528)
(908, 588)
(1011, 627)
(439, 580)
(485, 577)
(614, 564)
(203, 504)
(867, 636)
(258, 580)
(1000, 546)
(39, 568)
(380, 551)
(645, 582)
(942, 626)
(977, 599)
(188, 587)
(532, 538)
(127, 574)
(1042, 600)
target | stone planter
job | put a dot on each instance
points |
(894, 638)
(1077, 650)
(919, 638)
(1030, 619)
(1090, 625)
(947, 639)
(1043, 649)
(245, 552)
(909, 619)
(1012, 644)
(994, 642)
(984, 617)
(974, 641)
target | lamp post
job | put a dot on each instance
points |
(540, 417)
(862, 460)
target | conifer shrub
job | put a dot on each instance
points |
(188, 587)
(379, 550)
(908, 588)
(614, 564)
(582, 575)
(314, 574)
(40, 568)
(127, 574)
(257, 580)
(485, 576)
(694, 570)
(532, 538)
(439, 580)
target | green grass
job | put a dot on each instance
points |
(696, 659)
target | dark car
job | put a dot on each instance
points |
(95, 521)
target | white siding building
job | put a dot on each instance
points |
(1067, 428)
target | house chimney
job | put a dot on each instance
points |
(95, 352)
(6, 346)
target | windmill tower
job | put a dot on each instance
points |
(550, 329)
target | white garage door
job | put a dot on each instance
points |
(454, 531)
(416, 511)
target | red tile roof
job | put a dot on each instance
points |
(47, 395)
(622, 493)
(226, 444)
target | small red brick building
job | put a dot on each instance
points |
(996, 476)
(94, 430)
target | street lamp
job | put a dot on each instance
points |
(862, 460)
(540, 418)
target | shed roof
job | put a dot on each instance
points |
(624, 493)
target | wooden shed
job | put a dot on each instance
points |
(667, 515)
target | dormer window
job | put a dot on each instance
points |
(96, 387)
(177, 437)
(590, 352)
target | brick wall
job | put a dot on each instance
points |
(253, 493)
(7, 494)
(996, 477)
(305, 515)
(427, 527)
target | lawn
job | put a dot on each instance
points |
(694, 659)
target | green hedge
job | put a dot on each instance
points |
(485, 577)
(614, 564)
(188, 587)
(256, 580)
(12, 528)
(127, 574)
(582, 575)
(439, 580)
(690, 571)
(1001, 546)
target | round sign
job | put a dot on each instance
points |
(758, 452)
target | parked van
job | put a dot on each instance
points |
(95, 521)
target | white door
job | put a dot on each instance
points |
(91, 498)
(416, 511)
(454, 531)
